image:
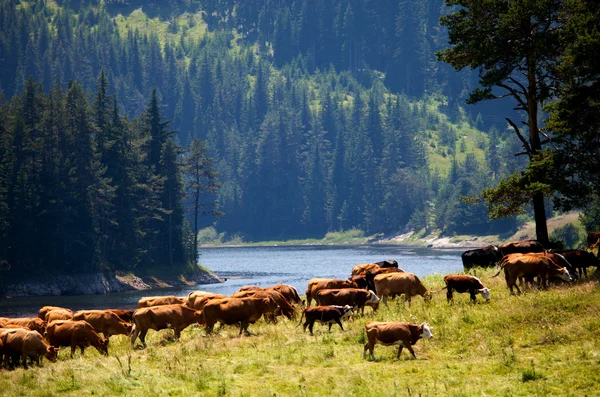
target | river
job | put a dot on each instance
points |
(261, 266)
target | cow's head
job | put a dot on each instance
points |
(346, 311)
(485, 293)
(373, 300)
(427, 296)
(270, 304)
(128, 327)
(564, 275)
(51, 353)
(426, 331)
(103, 346)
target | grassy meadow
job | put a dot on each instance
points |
(537, 344)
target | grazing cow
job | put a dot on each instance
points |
(363, 268)
(149, 301)
(284, 306)
(371, 273)
(123, 314)
(105, 322)
(250, 288)
(387, 263)
(481, 257)
(75, 334)
(33, 323)
(175, 316)
(26, 344)
(580, 260)
(525, 265)
(44, 310)
(464, 283)
(200, 302)
(400, 283)
(229, 311)
(593, 239)
(317, 284)
(59, 314)
(288, 292)
(353, 297)
(325, 315)
(394, 333)
(521, 247)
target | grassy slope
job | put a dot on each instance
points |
(540, 343)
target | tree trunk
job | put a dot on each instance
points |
(539, 210)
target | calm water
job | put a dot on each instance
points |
(262, 266)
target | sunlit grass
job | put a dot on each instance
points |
(539, 343)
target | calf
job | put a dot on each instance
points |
(149, 301)
(465, 283)
(394, 333)
(353, 297)
(75, 334)
(580, 260)
(105, 322)
(26, 344)
(177, 317)
(325, 315)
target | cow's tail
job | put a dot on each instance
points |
(440, 290)
(303, 311)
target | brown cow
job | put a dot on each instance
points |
(593, 239)
(354, 297)
(394, 333)
(288, 292)
(44, 310)
(195, 295)
(400, 283)
(33, 323)
(200, 302)
(149, 301)
(371, 273)
(580, 260)
(516, 265)
(123, 314)
(363, 268)
(26, 344)
(229, 311)
(105, 322)
(317, 284)
(59, 314)
(325, 315)
(521, 247)
(75, 334)
(176, 316)
(463, 283)
(284, 306)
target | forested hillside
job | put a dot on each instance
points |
(320, 115)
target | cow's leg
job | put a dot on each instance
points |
(177, 332)
(408, 299)
(330, 324)
(449, 295)
(305, 325)
(143, 337)
(134, 335)
(385, 300)
(337, 320)
(310, 327)
(308, 299)
(472, 293)
(73, 347)
(584, 271)
(24, 358)
(400, 347)
(410, 349)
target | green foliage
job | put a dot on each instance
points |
(569, 234)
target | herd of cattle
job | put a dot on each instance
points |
(31, 338)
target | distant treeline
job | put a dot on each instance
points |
(304, 143)
(83, 189)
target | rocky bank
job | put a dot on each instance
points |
(102, 283)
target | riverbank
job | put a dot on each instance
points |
(105, 283)
(540, 343)
(433, 239)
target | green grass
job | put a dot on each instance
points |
(537, 344)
